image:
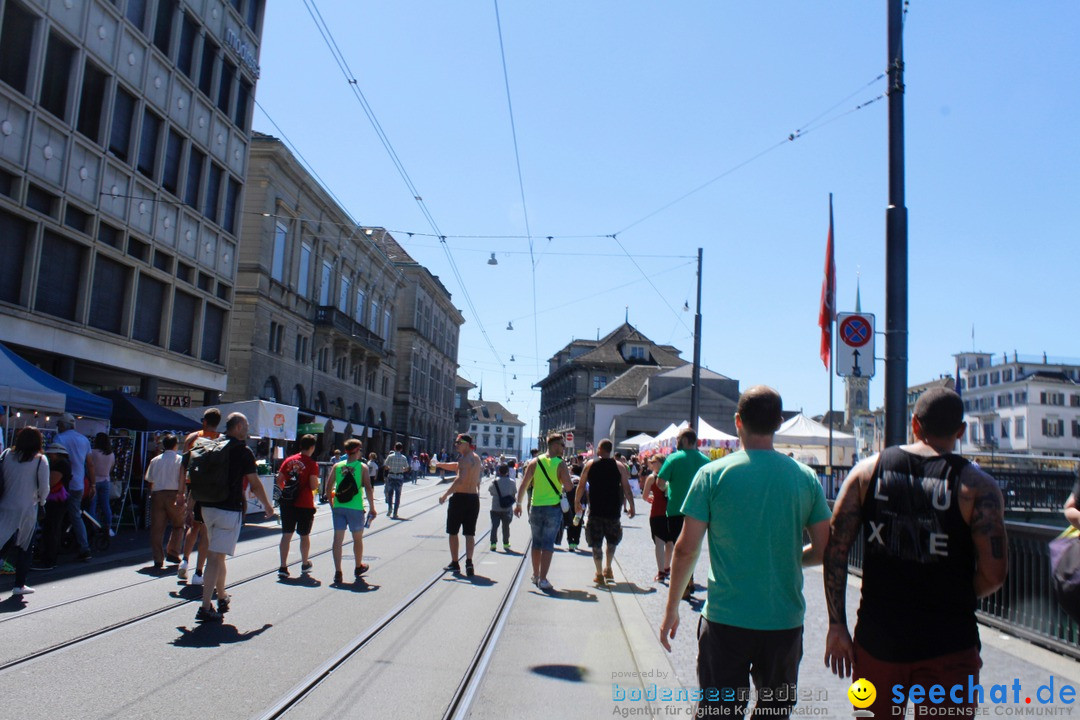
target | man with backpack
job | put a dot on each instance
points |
(217, 472)
(548, 478)
(347, 505)
(298, 479)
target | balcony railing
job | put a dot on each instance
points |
(329, 316)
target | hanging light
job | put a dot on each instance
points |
(510, 325)
(511, 358)
(492, 260)
(686, 306)
(515, 377)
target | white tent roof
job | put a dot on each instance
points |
(636, 441)
(707, 432)
(266, 419)
(17, 389)
(801, 430)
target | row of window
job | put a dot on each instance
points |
(1051, 428)
(121, 300)
(431, 381)
(272, 391)
(435, 325)
(1003, 376)
(487, 428)
(369, 313)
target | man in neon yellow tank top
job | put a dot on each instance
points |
(549, 479)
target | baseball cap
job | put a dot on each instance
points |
(56, 448)
(67, 419)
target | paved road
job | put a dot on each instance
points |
(558, 655)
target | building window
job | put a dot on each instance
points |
(1005, 426)
(59, 279)
(185, 55)
(327, 278)
(206, 68)
(270, 391)
(1051, 398)
(1019, 428)
(322, 361)
(386, 324)
(148, 142)
(1076, 428)
(95, 84)
(361, 299)
(136, 13)
(54, 81)
(305, 270)
(196, 160)
(243, 100)
(123, 115)
(599, 382)
(108, 295)
(301, 348)
(277, 332)
(1007, 375)
(374, 318)
(343, 294)
(498, 441)
(498, 429)
(232, 201)
(277, 262)
(1053, 427)
(637, 352)
(16, 44)
(174, 150)
(1021, 399)
(163, 25)
(213, 328)
(185, 310)
(995, 377)
(487, 441)
(148, 307)
(228, 73)
(211, 202)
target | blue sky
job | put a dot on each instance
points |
(622, 107)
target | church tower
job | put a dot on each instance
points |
(856, 389)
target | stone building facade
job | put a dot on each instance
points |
(316, 301)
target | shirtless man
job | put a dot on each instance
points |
(464, 509)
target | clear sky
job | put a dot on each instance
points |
(622, 107)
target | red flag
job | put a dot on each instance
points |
(827, 314)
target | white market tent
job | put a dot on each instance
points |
(709, 436)
(665, 438)
(808, 440)
(266, 419)
(635, 442)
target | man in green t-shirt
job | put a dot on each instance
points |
(349, 515)
(754, 504)
(678, 471)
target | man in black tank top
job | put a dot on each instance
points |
(609, 491)
(933, 529)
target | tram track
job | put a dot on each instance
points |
(131, 621)
(463, 694)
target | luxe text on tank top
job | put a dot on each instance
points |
(605, 489)
(918, 589)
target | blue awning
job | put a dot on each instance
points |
(76, 401)
(132, 413)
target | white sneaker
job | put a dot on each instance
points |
(181, 571)
(532, 579)
(22, 590)
(196, 579)
(112, 533)
(544, 585)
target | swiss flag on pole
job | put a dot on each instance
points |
(827, 314)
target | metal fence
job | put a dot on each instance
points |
(1025, 605)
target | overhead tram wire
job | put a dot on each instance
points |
(339, 58)
(521, 179)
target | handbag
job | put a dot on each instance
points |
(564, 503)
(1065, 571)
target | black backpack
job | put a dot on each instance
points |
(291, 489)
(347, 489)
(208, 469)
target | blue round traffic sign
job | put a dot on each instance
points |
(855, 330)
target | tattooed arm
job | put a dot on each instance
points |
(983, 508)
(843, 531)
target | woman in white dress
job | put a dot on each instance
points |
(26, 485)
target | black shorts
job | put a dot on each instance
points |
(197, 512)
(660, 530)
(600, 528)
(462, 514)
(674, 526)
(294, 519)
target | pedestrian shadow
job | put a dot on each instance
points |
(156, 572)
(187, 592)
(357, 586)
(578, 595)
(570, 673)
(630, 588)
(15, 603)
(305, 580)
(478, 580)
(214, 635)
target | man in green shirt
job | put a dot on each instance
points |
(678, 471)
(754, 504)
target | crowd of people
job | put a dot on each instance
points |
(929, 518)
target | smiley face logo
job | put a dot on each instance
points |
(862, 693)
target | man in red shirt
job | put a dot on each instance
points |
(298, 512)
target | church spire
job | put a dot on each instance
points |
(858, 301)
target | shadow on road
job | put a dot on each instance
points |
(578, 595)
(214, 635)
(631, 588)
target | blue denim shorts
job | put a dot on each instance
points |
(350, 518)
(545, 522)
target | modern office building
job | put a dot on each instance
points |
(314, 314)
(124, 134)
(426, 342)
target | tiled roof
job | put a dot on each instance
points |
(628, 385)
(687, 370)
(488, 410)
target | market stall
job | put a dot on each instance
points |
(808, 442)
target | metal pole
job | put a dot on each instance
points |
(695, 382)
(896, 256)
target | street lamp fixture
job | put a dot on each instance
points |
(510, 325)
(492, 260)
